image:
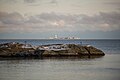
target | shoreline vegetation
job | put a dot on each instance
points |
(15, 49)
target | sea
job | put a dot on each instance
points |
(94, 68)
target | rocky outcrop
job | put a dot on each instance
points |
(27, 50)
(16, 49)
(74, 50)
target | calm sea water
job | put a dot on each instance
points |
(103, 68)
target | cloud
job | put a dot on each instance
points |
(54, 2)
(59, 22)
(11, 18)
(33, 2)
(115, 4)
(9, 1)
(29, 1)
(40, 2)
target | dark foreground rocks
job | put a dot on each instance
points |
(57, 50)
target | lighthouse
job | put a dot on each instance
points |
(56, 37)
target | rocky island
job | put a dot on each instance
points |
(15, 49)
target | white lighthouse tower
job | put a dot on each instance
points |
(56, 37)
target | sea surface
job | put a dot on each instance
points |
(94, 68)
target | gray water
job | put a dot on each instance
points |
(104, 68)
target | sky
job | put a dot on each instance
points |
(41, 19)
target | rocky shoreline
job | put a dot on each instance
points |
(14, 49)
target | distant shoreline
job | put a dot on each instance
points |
(59, 39)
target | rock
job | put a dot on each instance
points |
(73, 50)
(94, 51)
(26, 50)
(16, 49)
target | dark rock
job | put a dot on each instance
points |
(23, 50)
(74, 50)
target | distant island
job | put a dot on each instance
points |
(56, 37)
(15, 49)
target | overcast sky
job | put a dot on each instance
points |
(38, 19)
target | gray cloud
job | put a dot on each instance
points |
(60, 22)
(33, 2)
(11, 18)
(29, 1)
(115, 4)
(103, 21)
(54, 2)
(8, 1)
